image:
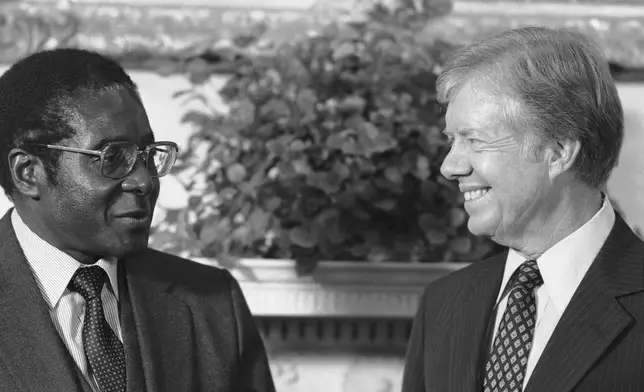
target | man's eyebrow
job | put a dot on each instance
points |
(461, 131)
(104, 140)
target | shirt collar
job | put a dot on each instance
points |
(53, 268)
(564, 265)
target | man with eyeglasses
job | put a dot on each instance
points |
(85, 304)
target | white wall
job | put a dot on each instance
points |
(626, 185)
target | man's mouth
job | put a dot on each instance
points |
(477, 194)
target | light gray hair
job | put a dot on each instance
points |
(562, 87)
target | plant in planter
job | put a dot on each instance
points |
(330, 150)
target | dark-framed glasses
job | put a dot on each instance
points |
(117, 159)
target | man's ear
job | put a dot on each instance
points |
(27, 173)
(562, 156)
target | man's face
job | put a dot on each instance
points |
(89, 213)
(507, 190)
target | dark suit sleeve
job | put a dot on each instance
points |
(254, 372)
(414, 375)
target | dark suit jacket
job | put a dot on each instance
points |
(191, 324)
(598, 345)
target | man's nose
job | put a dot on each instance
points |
(456, 164)
(139, 180)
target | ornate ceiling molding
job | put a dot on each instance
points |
(144, 34)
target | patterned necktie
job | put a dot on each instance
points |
(506, 364)
(103, 349)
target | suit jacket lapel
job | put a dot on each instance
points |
(163, 327)
(131, 346)
(30, 347)
(594, 317)
(467, 332)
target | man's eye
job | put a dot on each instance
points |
(113, 156)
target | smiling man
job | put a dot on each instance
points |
(86, 306)
(536, 128)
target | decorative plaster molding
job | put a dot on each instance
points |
(144, 34)
(335, 289)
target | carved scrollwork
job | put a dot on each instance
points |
(143, 35)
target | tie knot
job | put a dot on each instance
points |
(526, 276)
(88, 282)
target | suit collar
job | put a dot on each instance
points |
(53, 268)
(594, 318)
(565, 264)
(30, 346)
(470, 325)
(163, 326)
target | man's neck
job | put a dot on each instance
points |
(32, 220)
(576, 207)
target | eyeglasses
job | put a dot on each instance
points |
(118, 158)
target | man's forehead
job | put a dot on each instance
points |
(113, 116)
(475, 109)
(113, 102)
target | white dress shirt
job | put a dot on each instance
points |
(53, 270)
(562, 267)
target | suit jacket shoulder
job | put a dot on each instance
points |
(455, 287)
(191, 310)
(182, 274)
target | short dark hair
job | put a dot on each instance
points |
(41, 96)
(563, 86)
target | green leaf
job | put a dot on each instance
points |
(298, 145)
(236, 173)
(343, 50)
(392, 174)
(181, 93)
(301, 166)
(329, 182)
(197, 119)
(341, 170)
(328, 222)
(373, 141)
(386, 204)
(350, 147)
(352, 104)
(423, 170)
(306, 100)
(337, 140)
(214, 228)
(371, 131)
(279, 146)
(275, 109)
(227, 193)
(272, 204)
(363, 189)
(300, 236)
(259, 220)
(198, 71)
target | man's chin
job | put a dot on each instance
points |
(479, 227)
(130, 249)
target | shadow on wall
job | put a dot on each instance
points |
(626, 185)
